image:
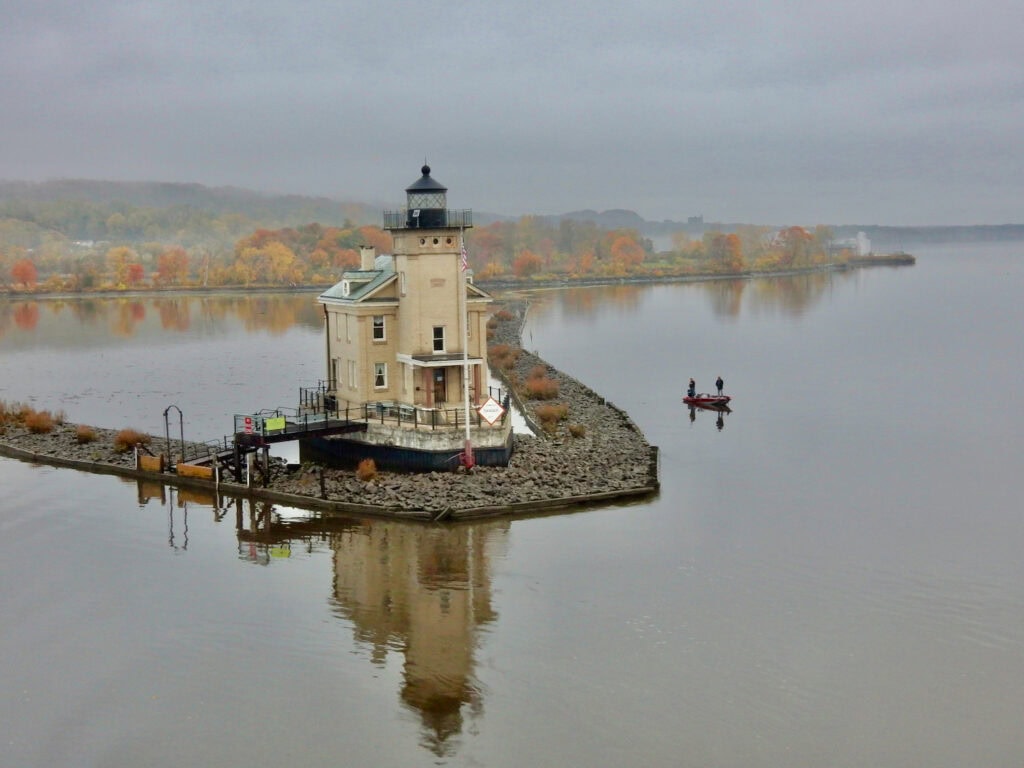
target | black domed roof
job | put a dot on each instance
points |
(425, 183)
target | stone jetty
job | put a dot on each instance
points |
(608, 460)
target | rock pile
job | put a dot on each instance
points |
(611, 457)
(63, 442)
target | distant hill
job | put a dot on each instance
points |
(616, 218)
(78, 208)
(276, 209)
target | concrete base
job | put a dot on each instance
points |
(426, 453)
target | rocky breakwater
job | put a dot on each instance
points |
(594, 453)
(65, 444)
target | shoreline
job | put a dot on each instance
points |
(611, 462)
(492, 284)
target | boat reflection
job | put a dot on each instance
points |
(720, 410)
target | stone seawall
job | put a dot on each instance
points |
(610, 461)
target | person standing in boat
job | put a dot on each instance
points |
(692, 391)
(720, 384)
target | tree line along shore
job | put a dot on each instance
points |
(534, 250)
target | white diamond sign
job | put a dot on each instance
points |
(491, 411)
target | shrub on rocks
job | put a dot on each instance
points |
(550, 415)
(127, 439)
(39, 422)
(13, 413)
(504, 356)
(539, 386)
(366, 470)
(85, 434)
(578, 430)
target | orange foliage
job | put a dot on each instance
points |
(172, 266)
(376, 237)
(527, 263)
(23, 271)
(626, 252)
(26, 316)
(135, 274)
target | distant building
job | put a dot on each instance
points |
(863, 244)
(859, 245)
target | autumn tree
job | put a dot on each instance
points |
(626, 253)
(118, 261)
(23, 272)
(136, 274)
(796, 246)
(527, 263)
(725, 250)
(172, 266)
(376, 237)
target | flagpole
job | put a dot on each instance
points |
(467, 457)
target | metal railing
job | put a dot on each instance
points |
(448, 218)
(322, 399)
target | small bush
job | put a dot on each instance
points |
(19, 412)
(39, 422)
(550, 415)
(60, 418)
(127, 439)
(367, 470)
(541, 388)
(85, 434)
(577, 430)
(537, 372)
(504, 356)
(504, 315)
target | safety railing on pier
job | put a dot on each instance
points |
(321, 399)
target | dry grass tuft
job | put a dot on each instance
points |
(127, 439)
(38, 422)
(538, 386)
(367, 470)
(85, 434)
(550, 415)
(578, 430)
(504, 356)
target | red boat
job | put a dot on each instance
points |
(705, 401)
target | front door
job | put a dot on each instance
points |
(440, 387)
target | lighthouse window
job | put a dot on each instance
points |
(380, 375)
(378, 328)
(439, 338)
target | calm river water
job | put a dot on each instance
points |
(831, 574)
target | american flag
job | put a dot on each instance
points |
(465, 259)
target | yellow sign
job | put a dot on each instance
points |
(275, 424)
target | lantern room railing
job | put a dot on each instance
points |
(428, 218)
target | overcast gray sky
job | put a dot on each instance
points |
(870, 112)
